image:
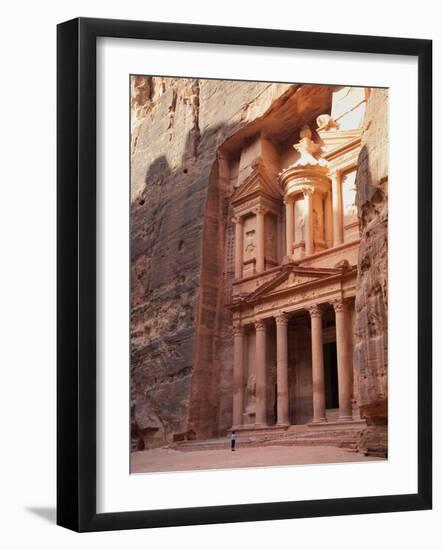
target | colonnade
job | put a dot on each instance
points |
(344, 367)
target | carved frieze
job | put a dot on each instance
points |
(301, 299)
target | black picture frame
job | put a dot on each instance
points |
(76, 280)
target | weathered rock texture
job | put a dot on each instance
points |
(371, 319)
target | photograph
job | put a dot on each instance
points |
(258, 274)
(224, 253)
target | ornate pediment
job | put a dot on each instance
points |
(289, 278)
(294, 279)
(258, 183)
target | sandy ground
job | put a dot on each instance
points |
(166, 460)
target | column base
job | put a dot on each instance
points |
(282, 425)
(259, 425)
(319, 420)
(236, 427)
(346, 418)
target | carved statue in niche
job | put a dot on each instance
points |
(350, 209)
(270, 245)
(349, 195)
(300, 229)
(250, 395)
(250, 245)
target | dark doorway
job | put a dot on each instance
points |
(331, 378)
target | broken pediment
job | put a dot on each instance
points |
(335, 138)
(258, 183)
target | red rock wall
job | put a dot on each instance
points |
(371, 304)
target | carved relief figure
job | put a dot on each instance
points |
(349, 195)
(269, 245)
(250, 245)
(300, 229)
(250, 395)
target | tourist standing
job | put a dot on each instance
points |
(233, 440)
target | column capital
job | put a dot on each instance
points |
(281, 319)
(237, 219)
(259, 324)
(308, 191)
(315, 311)
(339, 305)
(260, 210)
(238, 328)
(288, 200)
(334, 175)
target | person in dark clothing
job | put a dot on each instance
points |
(233, 440)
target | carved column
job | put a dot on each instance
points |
(289, 225)
(328, 220)
(260, 217)
(318, 373)
(344, 359)
(309, 230)
(237, 405)
(282, 370)
(337, 209)
(260, 373)
(238, 267)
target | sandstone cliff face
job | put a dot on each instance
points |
(371, 320)
(177, 128)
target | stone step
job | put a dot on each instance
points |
(301, 442)
(328, 434)
(345, 443)
(337, 438)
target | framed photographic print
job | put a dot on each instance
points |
(244, 274)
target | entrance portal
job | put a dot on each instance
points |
(331, 377)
